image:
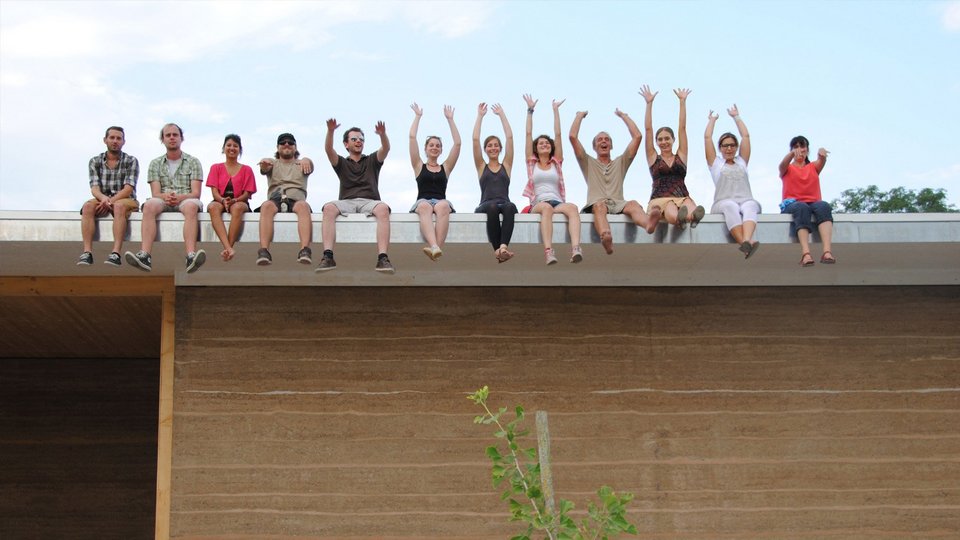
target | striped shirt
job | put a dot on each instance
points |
(111, 181)
(179, 183)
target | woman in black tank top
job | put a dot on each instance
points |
(432, 182)
(495, 183)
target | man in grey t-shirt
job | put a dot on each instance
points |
(605, 176)
(359, 176)
(287, 175)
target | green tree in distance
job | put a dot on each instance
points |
(899, 200)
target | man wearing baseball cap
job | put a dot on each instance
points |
(287, 176)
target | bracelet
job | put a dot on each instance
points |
(530, 110)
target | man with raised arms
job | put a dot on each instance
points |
(359, 176)
(605, 176)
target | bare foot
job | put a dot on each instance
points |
(606, 240)
(653, 219)
(504, 254)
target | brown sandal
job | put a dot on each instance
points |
(804, 261)
(824, 259)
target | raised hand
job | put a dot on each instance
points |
(822, 153)
(332, 124)
(713, 116)
(682, 93)
(557, 104)
(482, 109)
(531, 103)
(583, 114)
(733, 112)
(380, 129)
(497, 109)
(647, 94)
(448, 111)
(619, 113)
(416, 109)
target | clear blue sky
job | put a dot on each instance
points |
(876, 83)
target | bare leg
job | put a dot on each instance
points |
(573, 221)
(88, 224)
(382, 213)
(425, 213)
(442, 209)
(120, 215)
(826, 235)
(191, 227)
(329, 228)
(216, 220)
(749, 228)
(602, 225)
(803, 235)
(267, 213)
(737, 234)
(304, 224)
(546, 223)
(148, 229)
(237, 210)
(635, 212)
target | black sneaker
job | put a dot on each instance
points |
(196, 260)
(326, 264)
(263, 257)
(86, 259)
(384, 265)
(139, 260)
(305, 256)
(113, 259)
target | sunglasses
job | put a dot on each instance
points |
(728, 145)
(287, 142)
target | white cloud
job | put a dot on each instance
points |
(950, 16)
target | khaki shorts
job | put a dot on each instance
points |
(662, 203)
(178, 208)
(130, 204)
(357, 206)
(614, 206)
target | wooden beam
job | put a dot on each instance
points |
(86, 286)
(165, 418)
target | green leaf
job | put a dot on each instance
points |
(493, 452)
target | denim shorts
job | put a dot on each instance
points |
(808, 215)
(431, 202)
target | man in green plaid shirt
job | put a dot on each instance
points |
(175, 181)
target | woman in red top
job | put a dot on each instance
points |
(232, 185)
(801, 198)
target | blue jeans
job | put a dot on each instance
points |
(807, 215)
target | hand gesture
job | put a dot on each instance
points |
(103, 208)
(416, 109)
(619, 113)
(682, 93)
(583, 114)
(332, 124)
(227, 201)
(712, 116)
(482, 109)
(647, 94)
(733, 112)
(170, 199)
(822, 153)
(306, 166)
(380, 129)
(531, 103)
(497, 109)
(557, 104)
(448, 112)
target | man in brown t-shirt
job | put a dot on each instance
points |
(359, 176)
(287, 175)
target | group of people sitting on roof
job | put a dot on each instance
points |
(175, 180)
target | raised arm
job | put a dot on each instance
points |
(332, 126)
(821, 159)
(454, 154)
(478, 161)
(578, 150)
(507, 138)
(558, 151)
(682, 94)
(708, 149)
(648, 123)
(415, 160)
(635, 136)
(744, 134)
(785, 162)
(528, 142)
(381, 130)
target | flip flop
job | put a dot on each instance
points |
(753, 249)
(803, 259)
(827, 260)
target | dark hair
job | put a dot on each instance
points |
(800, 140)
(114, 128)
(536, 141)
(346, 134)
(165, 126)
(426, 142)
(667, 129)
(491, 138)
(727, 135)
(235, 138)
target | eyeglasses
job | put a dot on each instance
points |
(356, 139)
(287, 142)
(728, 145)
